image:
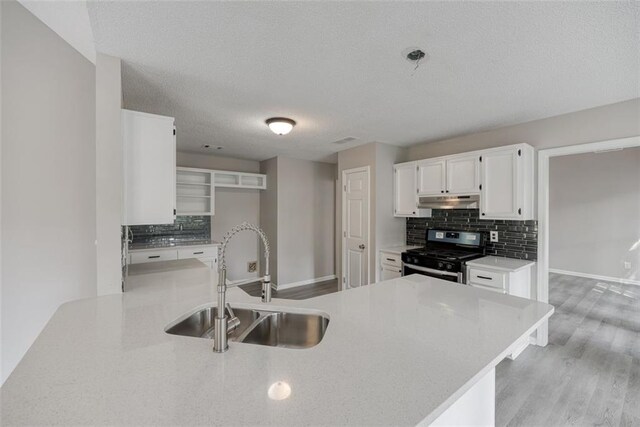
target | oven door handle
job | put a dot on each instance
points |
(431, 270)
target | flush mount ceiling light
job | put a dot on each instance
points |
(280, 125)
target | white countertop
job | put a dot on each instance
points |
(135, 247)
(501, 263)
(399, 352)
(398, 249)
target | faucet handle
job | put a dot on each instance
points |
(233, 321)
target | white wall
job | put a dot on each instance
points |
(48, 178)
(109, 173)
(232, 207)
(306, 206)
(594, 213)
(613, 121)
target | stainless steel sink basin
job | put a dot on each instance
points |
(262, 327)
(200, 323)
(290, 330)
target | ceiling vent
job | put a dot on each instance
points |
(345, 140)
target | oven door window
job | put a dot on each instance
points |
(408, 269)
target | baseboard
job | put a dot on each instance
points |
(306, 282)
(596, 277)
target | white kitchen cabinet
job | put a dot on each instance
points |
(390, 265)
(453, 175)
(194, 192)
(463, 175)
(431, 177)
(506, 178)
(240, 180)
(149, 160)
(405, 202)
(152, 255)
(503, 275)
(207, 254)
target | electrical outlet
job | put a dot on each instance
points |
(493, 236)
(627, 265)
(252, 266)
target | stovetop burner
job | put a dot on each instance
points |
(447, 254)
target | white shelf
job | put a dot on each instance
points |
(192, 196)
(197, 184)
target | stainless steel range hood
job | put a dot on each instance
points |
(449, 202)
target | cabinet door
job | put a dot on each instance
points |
(149, 149)
(431, 177)
(388, 273)
(463, 175)
(405, 189)
(499, 179)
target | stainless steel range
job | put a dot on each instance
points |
(444, 255)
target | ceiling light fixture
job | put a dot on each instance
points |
(280, 125)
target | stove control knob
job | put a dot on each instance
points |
(440, 265)
(449, 266)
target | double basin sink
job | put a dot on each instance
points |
(257, 326)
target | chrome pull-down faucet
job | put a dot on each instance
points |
(221, 321)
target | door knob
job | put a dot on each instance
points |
(361, 246)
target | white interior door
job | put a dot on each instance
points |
(355, 228)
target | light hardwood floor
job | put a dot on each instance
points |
(589, 374)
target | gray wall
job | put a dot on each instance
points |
(613, 121)
(386, 230)
(305, 220)
(269, 214)
(232, 207)
(109, 173)
(48, 178)
(594, 208)
(364, 155)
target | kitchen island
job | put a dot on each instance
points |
(404, 352)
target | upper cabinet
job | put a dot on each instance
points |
(506, 176)
(457, 175)
(196, 188)
(149, 163)
(194, 192)
(502, 176)
(463, 175)
(431, 177)
(405, 176)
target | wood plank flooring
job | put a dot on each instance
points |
(298, 293)
(589, 374)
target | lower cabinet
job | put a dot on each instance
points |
(390, 265)
(208, 255)
(505, 276)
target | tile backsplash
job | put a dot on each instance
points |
(516, 239)
(184, 228)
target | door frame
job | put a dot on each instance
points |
(343, 232)
(542, 336)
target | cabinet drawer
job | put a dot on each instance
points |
(390, 259)
(153, 256)
(199, 252)
(487, 278)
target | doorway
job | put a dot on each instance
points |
(356, 219)
(544, 157)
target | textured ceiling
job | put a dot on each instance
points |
(222, 68)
